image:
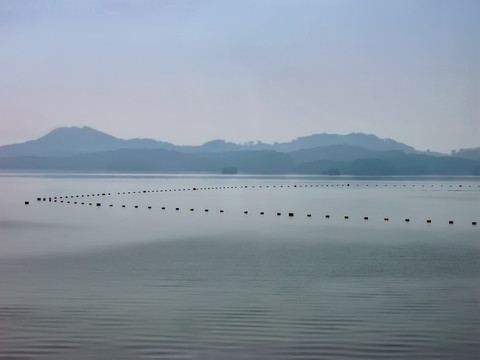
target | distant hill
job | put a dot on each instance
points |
(370, 142)
(159, 160)
(253, 162)
(403, 164)
(75, 140)
(467, 153)
(86, 149)
(367, 141)
(341, 153)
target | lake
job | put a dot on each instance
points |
(355, 272)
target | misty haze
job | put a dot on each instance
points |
(240, 179)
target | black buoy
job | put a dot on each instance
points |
(365, 218)
(26, 203)
(385, 219)
(451, 222)
(98, 204)
(191, 209)
(407, 220)
(278, 214)
(163, 207)
(262, 213)
(429, 221)
(346, 217)
(177, 209)
(474, 223)
(245, 212)
(327, 216)
(221, 211)
(309, 215)
(123, 206)
(149, 207)
(136, 206)
(111, 205)
(290, 214)
(39, 199)
(206, 210)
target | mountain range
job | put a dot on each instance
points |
(65, 141)
(86, 149)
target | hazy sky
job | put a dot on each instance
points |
(191, 71)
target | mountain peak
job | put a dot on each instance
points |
(74, 130)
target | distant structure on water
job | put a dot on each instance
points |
(229, 170)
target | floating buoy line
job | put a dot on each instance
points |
(433, 187)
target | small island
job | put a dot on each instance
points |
(229, 170)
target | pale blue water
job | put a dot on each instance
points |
(80, 281)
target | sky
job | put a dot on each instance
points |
(188, 72)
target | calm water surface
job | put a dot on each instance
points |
(81, 281)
